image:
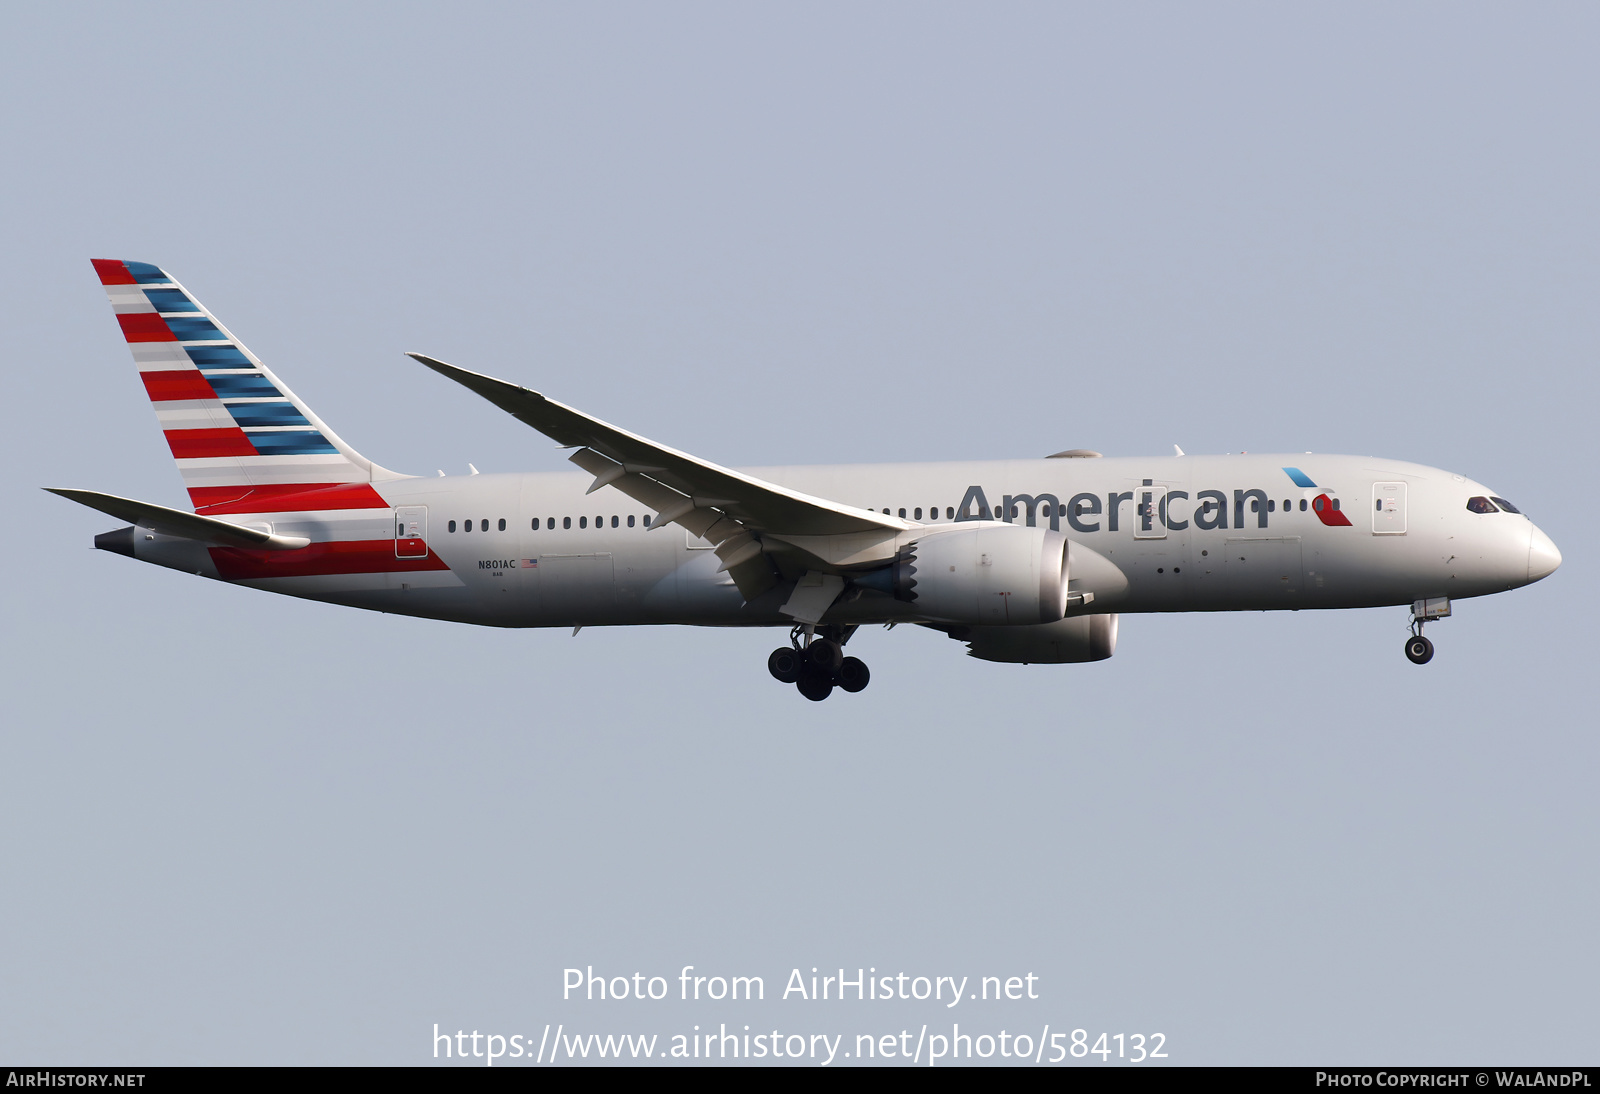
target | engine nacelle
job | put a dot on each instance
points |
(1000, 575)
(1066, 641)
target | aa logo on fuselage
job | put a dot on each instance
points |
(1153, 508)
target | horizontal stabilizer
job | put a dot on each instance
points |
(175, 522)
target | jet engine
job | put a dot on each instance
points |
(999, 575)
(1080, 638)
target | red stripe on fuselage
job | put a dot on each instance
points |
(112, 271)
(1327, 514)
(144, 326)
(285, 498)
(182, 383)
(196, 444)
(370, 556)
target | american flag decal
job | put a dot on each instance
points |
(530, 564)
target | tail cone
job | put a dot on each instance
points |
(120, 541)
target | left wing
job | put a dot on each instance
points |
(744, 517)
(758, 505)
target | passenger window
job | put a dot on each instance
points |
(466, 526)
(599, 522)
(886, 512)
(1504, 504)
(1287, 505)
(996, 512)
(647, 520)
(583, 522)
(1335, 505)
(630, 520)
(1302, 505)
(950, 512)
(1475, 505)
(566, 522)
(1272, 506)
(613, 522)
(451, 526)
(1255, 505)
(502, 524)
(1317, 505)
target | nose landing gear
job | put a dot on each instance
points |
(814, 662)
(1419, 651)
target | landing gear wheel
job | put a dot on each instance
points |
(1419, 650)
(785, 664)
(852, 674)
(815, 685)
(825, 654)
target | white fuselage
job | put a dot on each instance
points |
(1190, 533)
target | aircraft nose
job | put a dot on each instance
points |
(1543, 558)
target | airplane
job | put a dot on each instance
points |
(1028, 561)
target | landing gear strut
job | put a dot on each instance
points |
(1419, 651)
(814, 662)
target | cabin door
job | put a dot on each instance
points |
(411, 531)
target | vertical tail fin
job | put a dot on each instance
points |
(240, 436)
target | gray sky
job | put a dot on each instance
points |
(244, 829)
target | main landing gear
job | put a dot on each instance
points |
(1419, 651)
(814, 662)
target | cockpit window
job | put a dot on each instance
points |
(1504, 504)
(1480, 505)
